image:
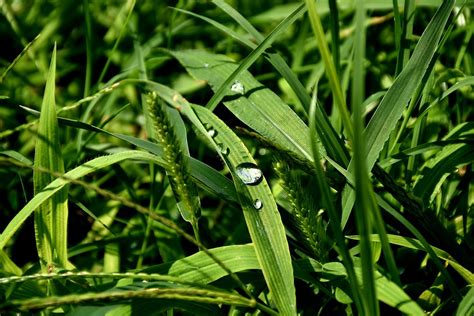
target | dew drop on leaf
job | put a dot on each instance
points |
(237, 87)
(212, 132)
(249, 173)
(257, 204)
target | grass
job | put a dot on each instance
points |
(236, 157)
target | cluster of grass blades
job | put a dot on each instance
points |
(208, 158)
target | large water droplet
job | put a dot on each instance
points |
(206, 65)
(257, 204)
(237, 87)
(249, 173)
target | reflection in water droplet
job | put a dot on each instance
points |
(222, 149)
(206, 65)
(249, 173)
(257, 204)
(212, 133)
(237, 87)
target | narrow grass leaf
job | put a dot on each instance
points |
(255, 105)
(51, 218)
(413, 243)
(395, 100)
(259, 209)
(52, 188)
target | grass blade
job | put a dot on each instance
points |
(51, 218)
(260, 212)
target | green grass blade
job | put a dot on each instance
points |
(412, 243)
(204, 175)
(327, 202)
(364, 206)
(258, 107)
(260, 211)
(7, 265)
(52, 188)
(392, 105)
(466, 307)
(51, 218)
(253, 56)
(328, 135)
(330, 69)
(395, 100)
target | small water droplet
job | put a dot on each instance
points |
(257, 204)
(238, 87)
(249, 173)
(212, 132)
(223, 149)
(206, 65)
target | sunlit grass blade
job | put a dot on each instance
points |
(51, 218)
(254, 55)
(256, 106)
(259, 209)
(331, 141)
(7, 265)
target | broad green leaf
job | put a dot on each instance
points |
(259, 209)
(51, 218)
(255, 105)
(51, 189)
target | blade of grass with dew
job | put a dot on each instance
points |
(51, 218)
(52, 188)
(255, 105)
(222, 89)
(395, 100)
(327, 202)
(364, 208)
(413, 243)
(205, 176)
(329, 138)
(259, 209)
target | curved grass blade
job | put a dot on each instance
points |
(205, 176)
(257, 106)
(52, 188)
(51, 218)
(260, 211)
(250, 59)
(416, 244)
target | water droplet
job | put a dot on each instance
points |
(249, 173)
(237, 87)
(257, 204)
(206, 65)
(223, 149)
(212, 132)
